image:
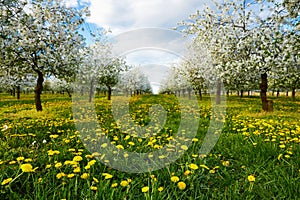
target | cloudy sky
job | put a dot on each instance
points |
(128, 16)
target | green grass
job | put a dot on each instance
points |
(252, 142)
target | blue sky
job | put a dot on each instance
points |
(121, 16)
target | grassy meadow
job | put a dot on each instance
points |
(43, 157)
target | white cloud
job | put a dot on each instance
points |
(127, 14)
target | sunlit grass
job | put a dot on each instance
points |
(256, 157)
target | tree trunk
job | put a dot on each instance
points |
(91, 91)
(69, 93)
(200, 94)
(38, 91)
(266, 105)
(248, 93)
(14, 92)
(277, 93)
(218, 93)
(227, 92)
(189, 93)
(109, 93)
(293, 94)
(287, 93)
(18, 92)
(242, 93)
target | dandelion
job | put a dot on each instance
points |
(76, 170)
(181, 185)
(251, 178)
(95, 180)
(124, 183)
(51, 152)
(70, 175)
(58, 165)
(60, 175)
(27, 168)
(48, 166)
(44, 141)
(225, 163)
(107, 175)
(77, 158)
(187, 172)
(174, 179)
(84, 176)
(28, 160)
(53, 136)
(193, 166)
(12, 162)
(19, 159)
(94, 188)
(160, 189)
(6, 181)
(184, 147)
(145, 189)
(114, 185)
(204, 166)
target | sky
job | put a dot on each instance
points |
(128, 16)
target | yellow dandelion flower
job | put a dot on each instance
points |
(160, 189)
(124, 183)
(145, 189)
(28, 160)
(12, 162)
(251, 178)
(187, 172)
(77, 158)
(53, 136)
(181, 185)
(184, 147)
(95, 180)
(70, 175)
(94, 188)
(19, 159)
(84, 176)
(27, 168)
(107, 175)
(193, 166)
(58, 165)
(204, 166)
(76, 170)
(174, 179)
(60, 175)
(6, 181)
(114, 185)
(225, 163)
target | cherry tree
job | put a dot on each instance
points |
(135, 81)
(241, 40)
(46, 41)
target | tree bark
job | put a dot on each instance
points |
(218, 93)
(69, 93)
(293, 94)
(266, 105)
(287, 93)
(200, 94)
(189, 93)
(242, 93)
(38, 91)
(277, 93)
(91, 91)
(109, 93)
(18, 92)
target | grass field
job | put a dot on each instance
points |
(42, 155)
